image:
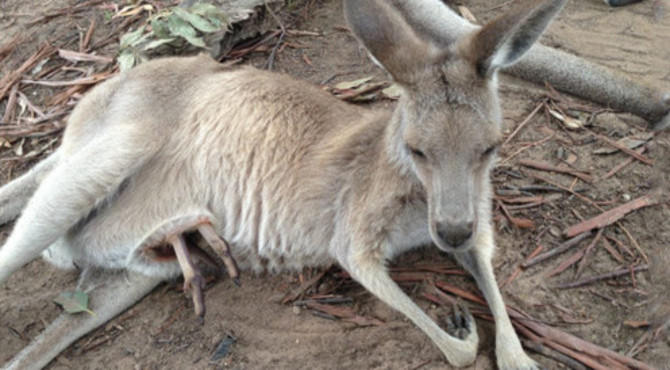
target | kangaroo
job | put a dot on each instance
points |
(181, 153)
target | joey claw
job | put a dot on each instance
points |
(221, 247)
(195, 285)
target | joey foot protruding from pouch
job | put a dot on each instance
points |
(222, 249)
(194, 282)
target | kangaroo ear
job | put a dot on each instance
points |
(505, 40)
(388, 37)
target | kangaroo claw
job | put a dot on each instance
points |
(459, 323)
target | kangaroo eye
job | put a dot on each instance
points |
(416, 152)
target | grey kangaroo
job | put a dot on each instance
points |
(182, 153)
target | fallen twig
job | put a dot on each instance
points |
(610, 275)
(623, 164)
(296, 293)
(558, 250)
(13, 77)
(588, 252)
(551, 168)
(609, 217)
(625, 149)
(523, 123)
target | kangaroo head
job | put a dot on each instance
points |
(446, 127)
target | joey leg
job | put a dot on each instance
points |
(222, 249)
(193, 280)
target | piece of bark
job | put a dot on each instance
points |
(609, 217)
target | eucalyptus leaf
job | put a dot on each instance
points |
(179, 27)
(160, 28)
(131, 38)
(74, 302)
(346, 85)
(156, 43)
(200, 23)
(126, 60)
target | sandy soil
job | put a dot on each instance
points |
(162, 332)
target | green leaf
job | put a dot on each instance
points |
(179, 27)
(74, 302)
(156, 43)
(201, 24)
(213, 14)
(126, 60)
(131, 38)
(160, 28)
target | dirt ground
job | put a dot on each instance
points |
(162, 332)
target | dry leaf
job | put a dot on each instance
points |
(74, 302)
(569, 122)
(347, 85)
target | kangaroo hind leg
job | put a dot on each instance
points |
(15, 195)
(111, 294)
(73, 188)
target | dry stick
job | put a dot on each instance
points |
(625, 149)
(579, 344)
(621, 245)
(613, 252)
(609, 217)
(623, 164)
(610, 275)
(542, 166)
(566, 263)
(560, 357)
(522, 223)
(273, 53)
(558, 250)
(536, 143)
(633, 241)
(568, 190)
(11, 104)
(87, 38)
(295, 294)
(588, 252)
(13, 77)
(523, 123)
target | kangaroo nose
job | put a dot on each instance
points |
(454, 233)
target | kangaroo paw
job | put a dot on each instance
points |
(459, 324)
